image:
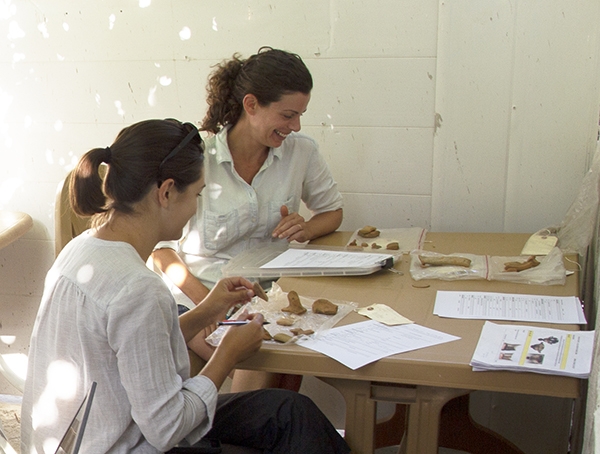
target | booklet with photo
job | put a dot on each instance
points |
(534, 349)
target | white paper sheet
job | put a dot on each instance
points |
(508, 306)
(362, 343)
(311, 258)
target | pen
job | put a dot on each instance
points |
(236, 322)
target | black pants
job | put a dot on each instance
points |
(275, 421)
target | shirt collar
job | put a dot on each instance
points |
(221, 149)
(223, 154)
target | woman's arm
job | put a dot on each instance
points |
(238, 343)
(324, 223)
(150, 361)
(225, 294)
(169, 262)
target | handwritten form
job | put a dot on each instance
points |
(359, 344)
(506, 306)
(307, 258)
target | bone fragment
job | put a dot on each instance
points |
(295, 306)
(444, 260)
(323, 306)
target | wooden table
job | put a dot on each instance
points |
(424, 379)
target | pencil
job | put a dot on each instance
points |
(236, 322)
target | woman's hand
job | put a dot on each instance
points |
(238, 344)
(227, 293)
(243, 341)
(292, 227)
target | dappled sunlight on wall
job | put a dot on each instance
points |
(70, 82)
(51, 34)
(97, 67)
(8, 188)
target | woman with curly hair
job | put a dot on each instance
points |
(259, 168)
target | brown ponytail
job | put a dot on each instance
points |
(140, 157)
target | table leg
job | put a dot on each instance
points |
(424, 418)
(425, 406)
(424, 409)
(360, 413)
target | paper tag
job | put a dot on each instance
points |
(539, 244)
(383, 314)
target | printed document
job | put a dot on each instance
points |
(312, 258)
(534, 349)
(506, 306)
(362, 343)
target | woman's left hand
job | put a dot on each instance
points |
(292, 227)
(229, 292)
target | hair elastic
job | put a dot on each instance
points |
(107, 155)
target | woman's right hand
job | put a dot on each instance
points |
(238, 343)
(242, 341)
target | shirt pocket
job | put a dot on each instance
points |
(274, 212)
(220, 230)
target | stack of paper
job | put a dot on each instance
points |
(274, 260)
(534, 349)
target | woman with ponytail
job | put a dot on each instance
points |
(105, 317)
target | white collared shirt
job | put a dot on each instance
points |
(233, 215)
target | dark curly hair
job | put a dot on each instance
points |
(268, 75)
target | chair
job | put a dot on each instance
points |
(67, 224)
(15, 369)
(5, 446)
(71, 440)
(458, 431)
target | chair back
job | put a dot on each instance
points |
(5, 446)
(15, 369)
(67, 224)
(71, 440)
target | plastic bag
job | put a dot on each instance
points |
(550, 271)
(407, 238)
(271, 311)
(477, 270)
(577, 228)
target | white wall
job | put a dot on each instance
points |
(450, 115)
(517, 96)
